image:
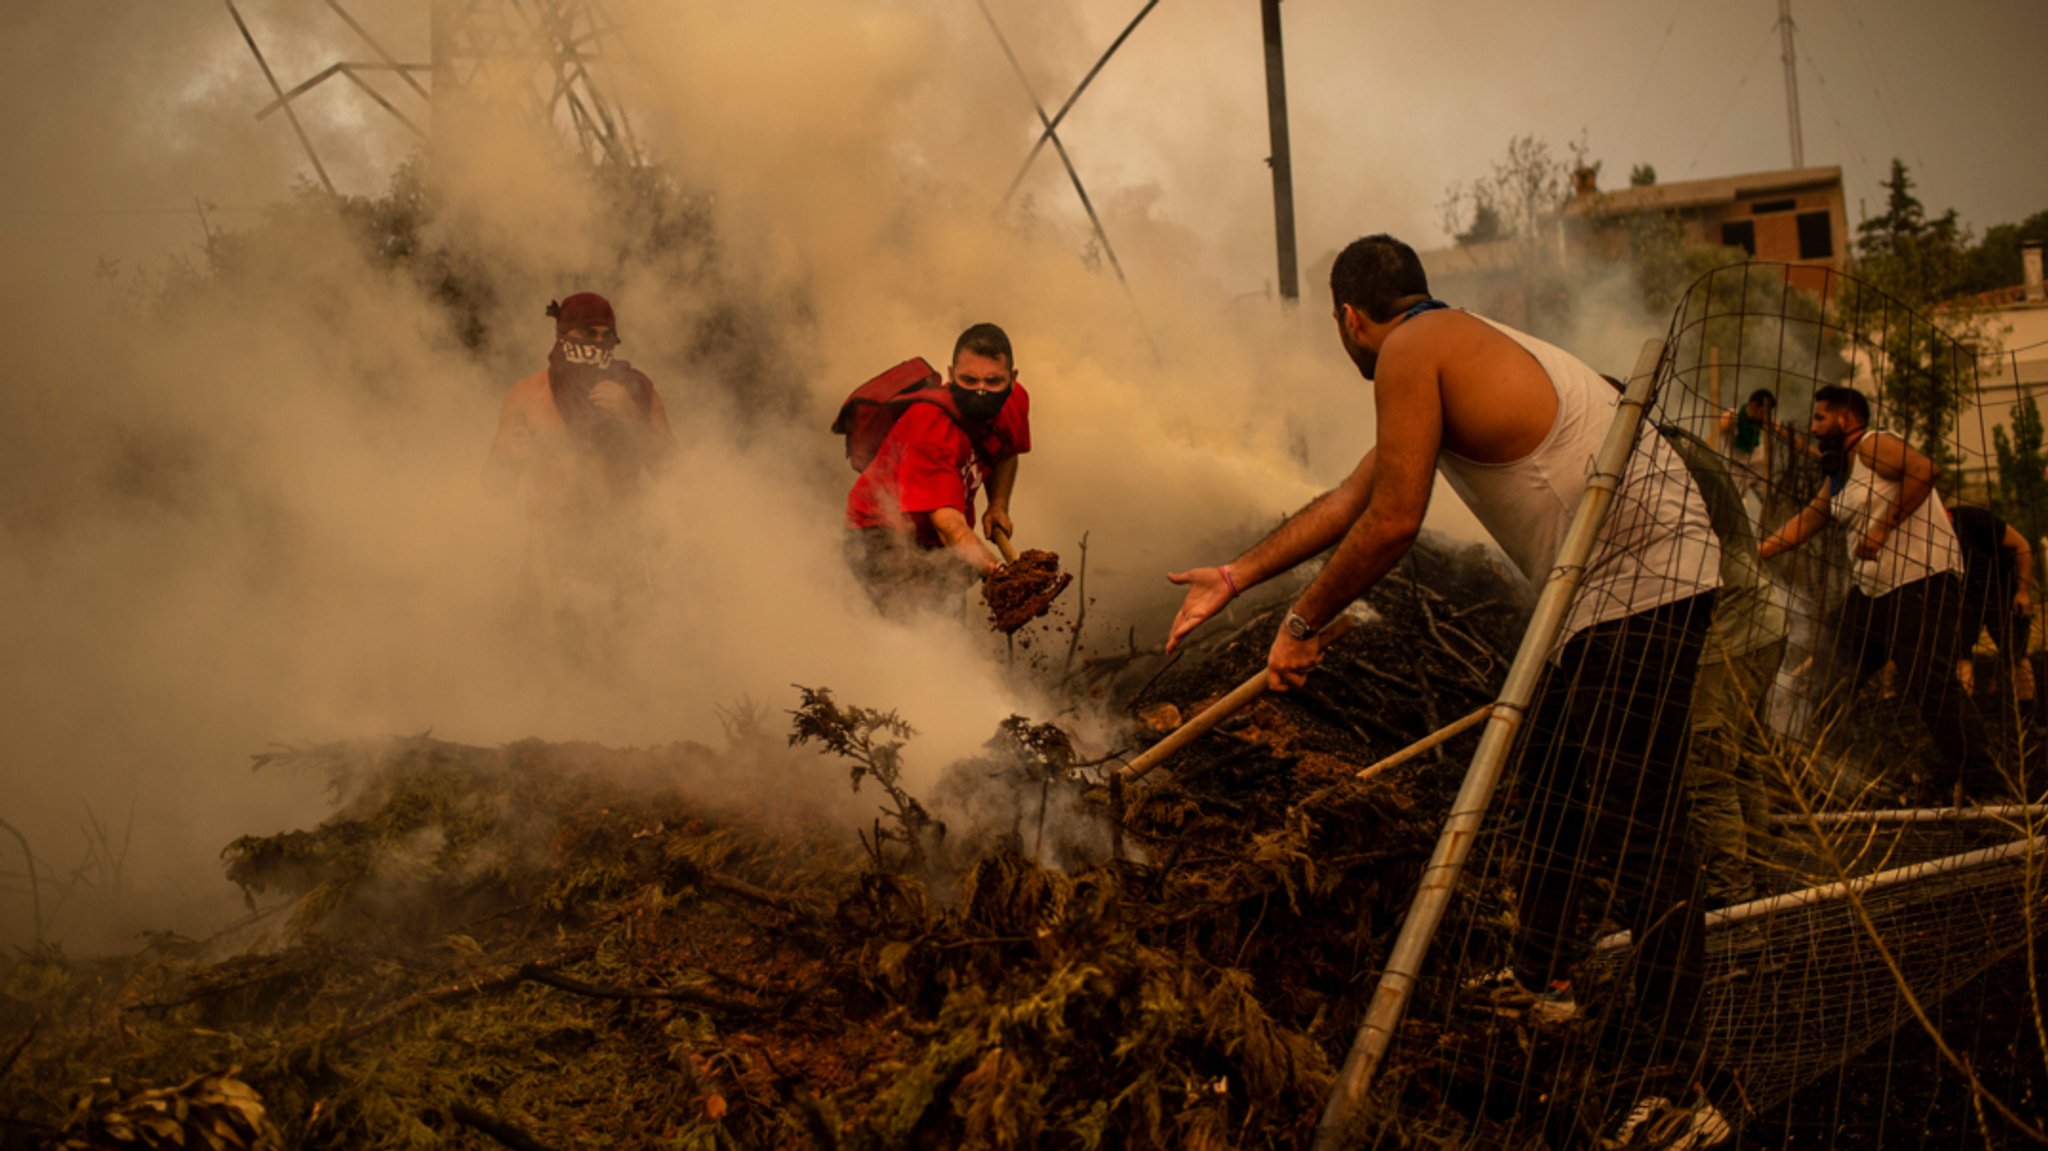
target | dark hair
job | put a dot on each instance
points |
(1376, 275)
(985, 340)
(1846, 398)
(1766, 397)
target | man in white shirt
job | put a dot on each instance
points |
(1514, 424)
(1907, 603)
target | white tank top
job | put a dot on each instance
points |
(1921, 546)
(1657, 546)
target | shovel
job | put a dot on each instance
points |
(1222, 709)
(1240, 696)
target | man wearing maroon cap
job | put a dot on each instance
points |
(910, 517)
(576, 443)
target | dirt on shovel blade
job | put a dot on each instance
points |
(1020, 592)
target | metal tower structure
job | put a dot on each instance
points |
(540, 56)
(540, 52)
(1785, 31)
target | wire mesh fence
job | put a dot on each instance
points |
(1767, 804)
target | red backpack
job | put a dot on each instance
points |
(874, 407)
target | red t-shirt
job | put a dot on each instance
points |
(926, 463)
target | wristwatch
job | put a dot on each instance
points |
(1297, 627)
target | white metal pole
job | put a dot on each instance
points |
(1482, 778)
(1842, 889)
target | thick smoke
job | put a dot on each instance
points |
(241, 497)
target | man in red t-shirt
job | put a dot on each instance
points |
(910, 516)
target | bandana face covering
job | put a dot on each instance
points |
(586, 353)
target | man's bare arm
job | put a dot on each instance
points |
(510, 449)
(958, 534)
(1895, 459)
(1798, 529)
(1311, 531)
(2022, 569)
(1409, 406)
(1001, 482)
(1307, 532)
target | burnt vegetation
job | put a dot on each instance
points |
(571, 946)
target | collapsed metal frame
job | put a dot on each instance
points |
(563, 35)
(1049, 126)
(1279, 159)
(1879, 360)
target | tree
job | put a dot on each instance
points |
(1907, 265)
(1915, 258)
(1519, 200)
(1520, 203)
(1486, 226)
(1642, 176)
(2022, 495)
(1995, 262)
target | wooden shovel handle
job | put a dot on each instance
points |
(1003, 542)
(1223, 708)
(1441, 735)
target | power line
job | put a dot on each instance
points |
(1861, 37)
(1862, 162)
(1763, 49)
(1649, 75)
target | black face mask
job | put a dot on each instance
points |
(978, 407)
(1834, 453)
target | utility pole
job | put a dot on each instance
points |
(1791, 82)
(1282, 159)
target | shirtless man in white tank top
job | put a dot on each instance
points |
(1515, 424)
(1906, 604)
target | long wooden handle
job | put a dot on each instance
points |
(1443, 734)
(1003, 542)
(1223, 708)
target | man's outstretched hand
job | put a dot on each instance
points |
(1208, 591)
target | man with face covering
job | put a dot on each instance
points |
(1514, 425)
(576, 442)
(910, 528)
(1906, 605)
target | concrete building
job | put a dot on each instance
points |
(2016, 320)
(1798, 216)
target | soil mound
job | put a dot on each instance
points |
(1023, 590)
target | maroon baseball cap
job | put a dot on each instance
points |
(583, 310)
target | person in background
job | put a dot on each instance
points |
(1750, 435)
(576, 443)
(1998, 599)
(1907, 601)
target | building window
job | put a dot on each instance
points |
(1816, 236)
(1739, 234)
(1766, 207)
